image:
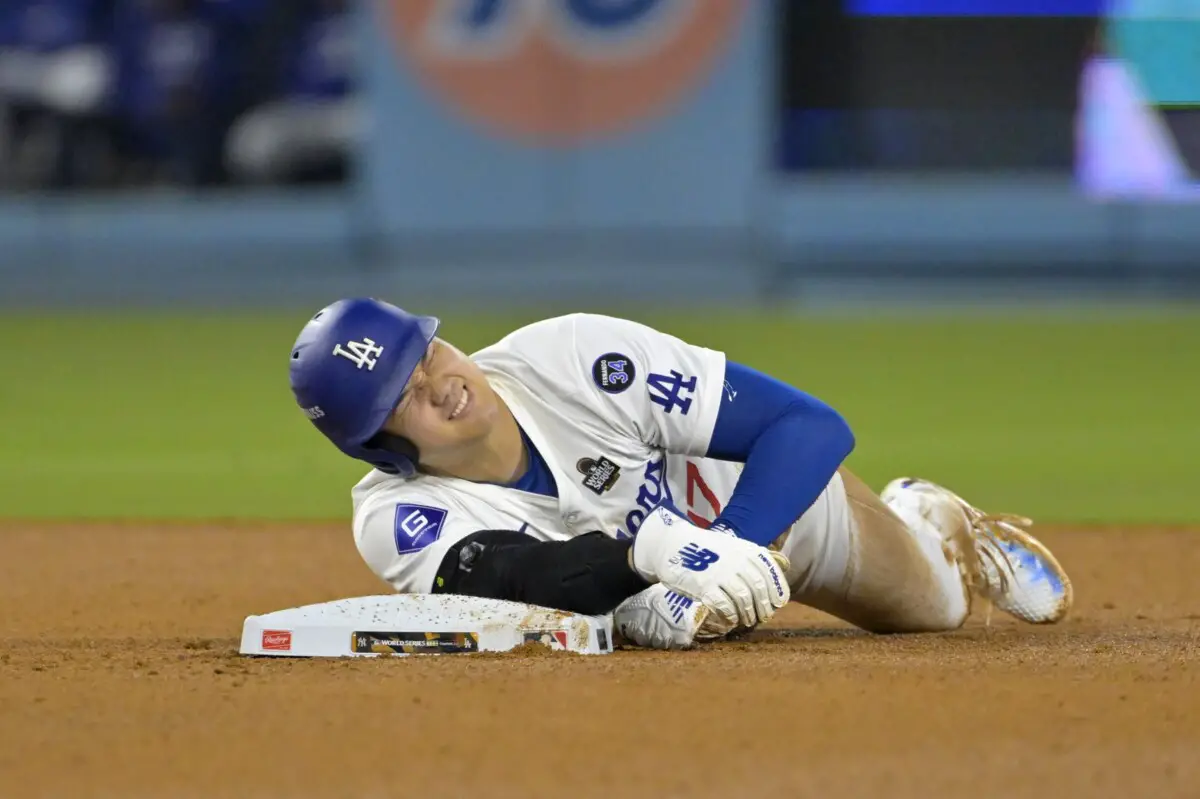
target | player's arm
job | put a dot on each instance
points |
(590, 574)
(790, 442)
(594, 573)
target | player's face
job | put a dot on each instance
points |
(447, 406)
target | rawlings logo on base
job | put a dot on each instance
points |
(277, 640)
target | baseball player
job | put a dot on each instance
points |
(597, 465)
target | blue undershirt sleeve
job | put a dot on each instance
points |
(791, 444)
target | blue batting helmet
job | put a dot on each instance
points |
(349, 367)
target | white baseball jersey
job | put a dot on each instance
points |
(622, 415)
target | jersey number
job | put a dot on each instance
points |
(695, 482)
(671, 391)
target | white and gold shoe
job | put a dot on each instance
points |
(1004, 564)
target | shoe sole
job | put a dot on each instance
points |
(1025, 540)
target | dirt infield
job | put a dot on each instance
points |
(119, 677)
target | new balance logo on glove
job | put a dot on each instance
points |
(696, 559)
(677, 604)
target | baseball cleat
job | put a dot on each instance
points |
(1004, 564)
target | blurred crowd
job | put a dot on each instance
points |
(109, 94)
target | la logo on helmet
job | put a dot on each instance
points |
(360, 353)
(562, 72)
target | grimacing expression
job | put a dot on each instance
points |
(447, 405)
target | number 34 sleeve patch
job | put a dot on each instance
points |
(613, 372)
(417, 526)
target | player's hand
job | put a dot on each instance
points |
(659, 618)
(740, 582)
(714, 627)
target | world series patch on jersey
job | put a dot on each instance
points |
(621, 413)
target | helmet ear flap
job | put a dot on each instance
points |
(393, 445)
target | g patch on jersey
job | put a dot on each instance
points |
(613, 372)
(417, 526)
(599, 474)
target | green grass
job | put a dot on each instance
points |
(1091, 419)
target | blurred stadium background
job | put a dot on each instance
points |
(969, 223)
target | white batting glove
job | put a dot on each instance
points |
(737, 580)
(659, 618)
(714, 627)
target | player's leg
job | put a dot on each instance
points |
(853, 558)
(910, 564)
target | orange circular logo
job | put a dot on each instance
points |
(562, 71)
